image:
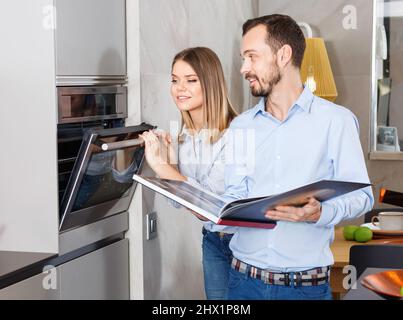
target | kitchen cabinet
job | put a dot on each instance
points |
(28, 171)
(90, 40)
(101, 274)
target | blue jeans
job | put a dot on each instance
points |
(216, 264)
(243, 287)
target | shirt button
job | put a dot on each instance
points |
(277, 186)
(278, 157)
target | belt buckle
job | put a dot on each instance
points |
(286, 280)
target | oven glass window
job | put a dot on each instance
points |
(108, 175)
(90, 105)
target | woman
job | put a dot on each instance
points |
(200, 93)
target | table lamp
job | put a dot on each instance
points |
(316, 72)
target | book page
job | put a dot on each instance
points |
(186, 194)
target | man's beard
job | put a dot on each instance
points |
(266, 86)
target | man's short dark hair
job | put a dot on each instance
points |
(281, 30)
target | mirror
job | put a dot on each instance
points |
(387, 81)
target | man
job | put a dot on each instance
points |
(299, 138)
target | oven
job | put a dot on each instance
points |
(97, 154)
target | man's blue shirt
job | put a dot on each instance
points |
(317, 140)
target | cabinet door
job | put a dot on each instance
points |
(91, 38)
(102, 274)
(28, 170)
(35, 288)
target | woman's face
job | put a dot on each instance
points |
(186, 88)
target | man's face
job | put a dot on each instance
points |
(259, 66)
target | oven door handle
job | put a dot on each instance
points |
(122, 144)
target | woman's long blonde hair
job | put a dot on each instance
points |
(218, 111)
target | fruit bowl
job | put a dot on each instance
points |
(388, 283)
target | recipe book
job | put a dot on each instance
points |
(248, 212)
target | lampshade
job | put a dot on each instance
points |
(316, 72)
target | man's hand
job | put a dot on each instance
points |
(309, 213)
(198, 216)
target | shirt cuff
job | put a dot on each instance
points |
(327, 215)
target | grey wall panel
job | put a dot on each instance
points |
(172, 261)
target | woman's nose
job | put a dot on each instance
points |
(180, 86)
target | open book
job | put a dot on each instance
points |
(248, 212)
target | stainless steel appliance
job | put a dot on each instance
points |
(97, 154)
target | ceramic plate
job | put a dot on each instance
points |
(378, 232)
(387, 283)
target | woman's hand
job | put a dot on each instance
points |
(155, 154)
(169, 148)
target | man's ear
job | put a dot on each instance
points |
(284, 55)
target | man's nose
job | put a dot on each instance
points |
(244, 68)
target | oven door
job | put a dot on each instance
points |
(101, 182)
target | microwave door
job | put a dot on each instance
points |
(101, 182)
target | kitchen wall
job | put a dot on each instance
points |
(172, 261)
(348, 39)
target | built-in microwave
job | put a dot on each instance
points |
(84, 104)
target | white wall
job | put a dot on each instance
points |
(172, 261)
(28, 156)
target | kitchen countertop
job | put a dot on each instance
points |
(13, 263)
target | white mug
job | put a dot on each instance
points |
(389, 220)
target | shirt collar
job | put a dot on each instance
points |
(259, 108)
(304, 101)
